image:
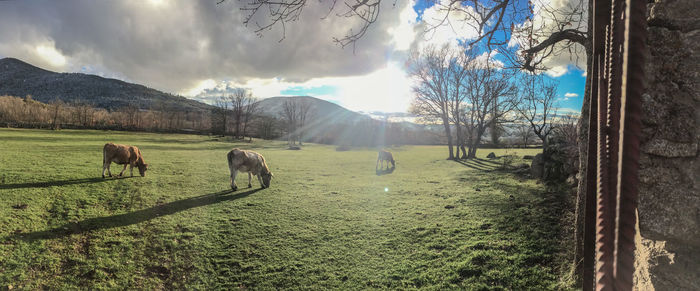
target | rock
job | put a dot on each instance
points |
(528, 157)
(491, 155)
(669, 149)
(537, 166)
(449, 206)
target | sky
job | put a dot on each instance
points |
(201, 50)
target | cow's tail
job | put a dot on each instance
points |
(229, 158)
(393, 163)
(104, 154)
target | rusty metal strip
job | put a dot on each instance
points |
(613, 149)
(614, 62)
(590, 210)
(604, 227)
(600, 17)
(630, 131)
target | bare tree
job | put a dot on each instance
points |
(57, 104)
(463, 61)
(251, 110)
(491, 96)
(220, 114)
(524, 132)
(305, 106)
(291, 114)
(238, 100)
(537, 105)
(565, 129)
(430, 69)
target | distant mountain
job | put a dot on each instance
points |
(321, 111)
(18, 78)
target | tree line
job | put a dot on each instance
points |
(238, 115)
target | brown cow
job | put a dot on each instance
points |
(122, 155)
(251, 162)
(385, 156)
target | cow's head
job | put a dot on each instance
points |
(142, 169)
(266, 177)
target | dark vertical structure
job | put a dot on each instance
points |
(619, 32)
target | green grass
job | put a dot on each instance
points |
(327, 222)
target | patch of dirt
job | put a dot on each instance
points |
(20, 206)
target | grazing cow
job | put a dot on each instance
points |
(385, 156)
(122, 155)
(251, 162)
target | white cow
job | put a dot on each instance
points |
(251, 162)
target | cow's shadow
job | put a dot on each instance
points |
(386, 171)
(133, 217)
(58, 183)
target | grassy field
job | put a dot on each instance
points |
(327, 222)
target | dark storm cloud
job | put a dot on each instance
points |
(173, 45)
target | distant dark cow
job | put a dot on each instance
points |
(385, 156)
(122, 155)
(251, 162)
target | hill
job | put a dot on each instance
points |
(18, 78)
(322, 110)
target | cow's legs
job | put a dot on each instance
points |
(376, 166)
(131, 169)
(233, 179)
(261, 181)
(105, 167)
(122, 172)
(250, 177)
(109, 165)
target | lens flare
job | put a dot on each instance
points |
(386, 189)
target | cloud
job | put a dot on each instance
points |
(178, 46)
(548, 15)
(387, 89)
(438, 28)
(569, 95)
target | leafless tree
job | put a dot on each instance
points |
(305, 107)
(266, 14)
(537, 105)
(491, 97)
(459, 67)
(524, 132)
(57, 105)
(565, 129)
(291, 114)
(220, 114)
(430, 69)
(238, 100)
(251, 110)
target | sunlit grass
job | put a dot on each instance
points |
(328, 221)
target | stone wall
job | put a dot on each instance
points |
(668, 244)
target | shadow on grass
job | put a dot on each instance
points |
(386, 171)
(59, 182)
(479, 164)
(133, 217)
(533, 223)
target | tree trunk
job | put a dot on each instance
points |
(459, 138)
(446, 123)
(475, 144)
